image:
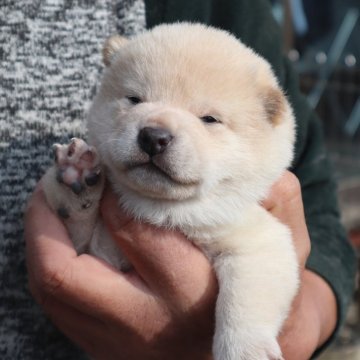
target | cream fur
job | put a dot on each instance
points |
(212, 176)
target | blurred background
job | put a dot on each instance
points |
(322, 39)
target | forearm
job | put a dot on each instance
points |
(324, 303)
(312, 320)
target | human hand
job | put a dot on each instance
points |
(115, 315)
(313, 315)
(162, 309)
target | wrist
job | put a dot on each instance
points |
(312, 319)
(324, 303)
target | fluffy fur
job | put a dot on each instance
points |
(210, 177)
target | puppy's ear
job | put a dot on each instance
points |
(275, 105)
(111, 46)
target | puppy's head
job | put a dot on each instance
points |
(188, 112)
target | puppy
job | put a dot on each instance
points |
(192, 130)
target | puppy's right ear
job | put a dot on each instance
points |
(275, 104)
(111, 46)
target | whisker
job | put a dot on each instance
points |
(107, 142)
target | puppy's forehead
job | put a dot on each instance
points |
(189, 60)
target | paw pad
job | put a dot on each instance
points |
(63, 213)
(78, 165)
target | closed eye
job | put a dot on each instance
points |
(209, 119)
(134, 100)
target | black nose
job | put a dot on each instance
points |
(154, 140)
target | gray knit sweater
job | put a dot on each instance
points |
(50, 63)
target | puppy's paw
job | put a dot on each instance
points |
(245, 344)
(74, 185)
(73, 189)
(78, 165)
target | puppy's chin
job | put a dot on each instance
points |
(148, 180)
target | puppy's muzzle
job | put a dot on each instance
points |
(154, 140)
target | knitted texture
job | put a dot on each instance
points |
(50, 56)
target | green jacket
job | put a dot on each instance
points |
(332, 257)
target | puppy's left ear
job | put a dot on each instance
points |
(111, 47)
(275, 105)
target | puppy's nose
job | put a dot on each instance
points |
(154, 140)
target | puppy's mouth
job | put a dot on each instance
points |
(153, 167)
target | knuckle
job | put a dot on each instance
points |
(307, 249)
(50, 281)
(304, 252)
(291, 185)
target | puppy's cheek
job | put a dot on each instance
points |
(186, 159)
(120, 147)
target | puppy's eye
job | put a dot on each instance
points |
(209, 119)
(134, 100)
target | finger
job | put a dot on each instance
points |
(40, 225)
(286, 189)
(86, 331)
(168, 262)
(99, 340)
(285, 203)
(85, 282)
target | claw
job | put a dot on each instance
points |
(86, 205)
(58, 153)
(60, 176)
(55, 150)
(71, 148)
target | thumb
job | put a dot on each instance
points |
(162, 257)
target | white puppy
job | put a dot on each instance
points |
(192, 130)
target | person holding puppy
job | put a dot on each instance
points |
(165, 308)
